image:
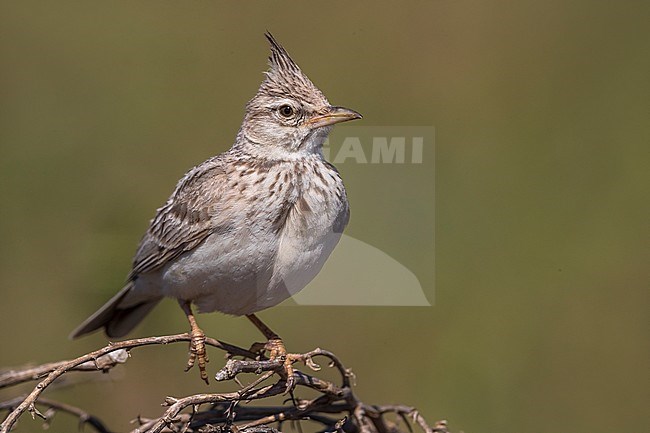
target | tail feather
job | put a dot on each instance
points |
(126, 319)
(117, 321)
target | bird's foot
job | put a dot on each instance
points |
(198, 352)
(278, 352)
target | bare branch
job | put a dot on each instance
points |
(65, 366)
(84, 417)
(103, 363)
(336, 408)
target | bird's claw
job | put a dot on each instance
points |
(277, 351)
(198, 353)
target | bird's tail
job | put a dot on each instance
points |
(116, 320)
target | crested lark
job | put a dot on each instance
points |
(248, 228)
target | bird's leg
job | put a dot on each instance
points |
(268, 333)
(197, 343)
(276, 349)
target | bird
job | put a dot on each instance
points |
(247, 228)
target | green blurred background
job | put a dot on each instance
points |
(541, 112)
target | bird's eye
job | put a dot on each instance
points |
(286, 110)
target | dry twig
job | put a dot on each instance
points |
(336, 408)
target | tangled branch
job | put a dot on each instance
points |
(335, 409)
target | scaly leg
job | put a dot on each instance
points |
(197, 343)
(276, 349)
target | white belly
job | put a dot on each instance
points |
(254, 267)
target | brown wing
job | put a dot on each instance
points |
(185, 220)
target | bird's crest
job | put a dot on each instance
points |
(280, 60)
(285, 78)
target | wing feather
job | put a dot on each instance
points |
(186, 219)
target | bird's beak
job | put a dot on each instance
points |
(334, 115)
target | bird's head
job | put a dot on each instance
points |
(289, 114)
